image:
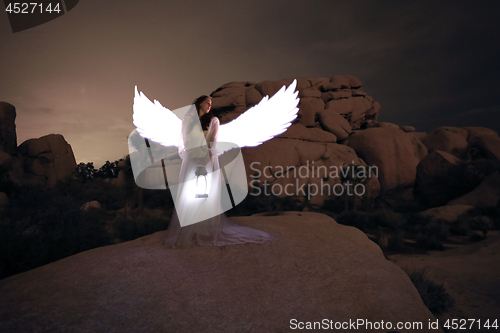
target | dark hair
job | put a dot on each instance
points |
(197, 102)
(207, 117)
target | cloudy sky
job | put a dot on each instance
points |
(428, 63)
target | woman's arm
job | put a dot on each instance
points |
(212, 132)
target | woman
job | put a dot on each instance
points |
(199, 150)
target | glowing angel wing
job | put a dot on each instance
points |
(271, 117)
(155, 122)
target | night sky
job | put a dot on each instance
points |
(428, 63)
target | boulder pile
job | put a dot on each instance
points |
(337, 128)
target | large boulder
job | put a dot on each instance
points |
(8, 137)
(299, 131)
(329, 110)
(341, 94)
(419, 135)
(44, 161)
(477, 131)
(487, 194)
(395, 153)
(452, 140)
(407, 128)
(442, 177)
(447, 213)
(5, 161)
(292, 164)
(430, 185)
(308, 109)
(317, 269)
(386, 125)
(485, 146)
(334, 123)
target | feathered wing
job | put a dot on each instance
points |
(271, 117)
(155, 122)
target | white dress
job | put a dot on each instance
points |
(216, 230)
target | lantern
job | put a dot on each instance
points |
(201, 171)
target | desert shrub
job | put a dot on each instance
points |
(416, 222)
(481, 223)
(461, 226)
(158, 199)
(439, 228)
(389, 219)
(429, 241)
(42, 225)
(370, 220)
(471, 173)
(467, 222)
(356, 218)
(429, 233)
(396, 242)
(493, 213)
(433, 294)
(129, 226)
(334, 205)
(108, 195)
(457, 180)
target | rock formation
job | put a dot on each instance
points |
(322, 101)
(337, 126)
(486, 194)
(317, 269)
(8, 138)
(485, 146)
(90, 204)
(395, 153)
(431, 184)
(43, 161)
(448, 213)
(452, 140)
(336, 129)
(466, 170)
(329, 110)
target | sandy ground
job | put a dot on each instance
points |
(471, 275)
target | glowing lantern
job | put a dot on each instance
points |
(201, 171)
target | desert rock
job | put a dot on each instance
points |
(447, 213)
(452, 140)
(317, 269)
(91, 204)
(8, 137)
(487, 194)
(292, 164)
(485, 146)
(430, 185)
(44, 161)
(341, 94)
(394, 152)
(477, 131)
(408, 129)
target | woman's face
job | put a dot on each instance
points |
(205, 106)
